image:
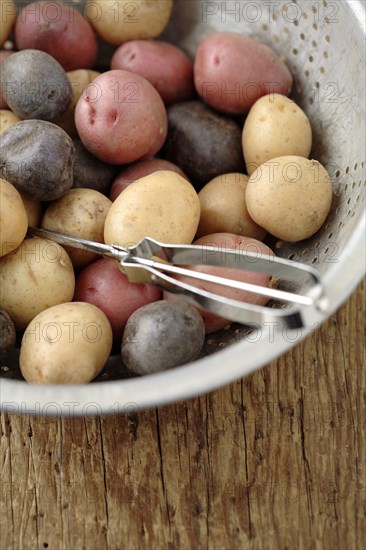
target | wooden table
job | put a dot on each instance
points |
(276, 460)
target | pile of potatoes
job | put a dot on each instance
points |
(210, 151)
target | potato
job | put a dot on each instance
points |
(232, 71)
(117, 21)
(163, 206)
(121, 118)
(7, 17)
(138, 170)
(203, 143)
(33, 209)
(13, 218)
(66, 344)
(3, 55)
(81, 213)
(290, 197)
(7, 332)
(161, 336)
(221, 241)
(35, 85)
(275, 127)
(164, 65)
(103, 284)
(90, 172)
(223, 208)
(59, 30)
(7, 119)
(79, 80)
(37, 157)
(36, 276)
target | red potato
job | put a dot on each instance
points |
(3, 55)
(232, 71)
(139, 170)
(121, 118)
(58, 30)
(104, 285)
(164, 65)
(227, 240)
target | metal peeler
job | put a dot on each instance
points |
(151, 261)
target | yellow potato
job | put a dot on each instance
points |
(79, 79)
(7, 19)
(163, 206)
(290, 197)
(13, 218)
(117, 21)
(81, 213)
(7, 119)
(33, 209)
(36, 276)
(275, 127)
(66, 344)
(223, 208)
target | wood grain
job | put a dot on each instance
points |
(276, 460)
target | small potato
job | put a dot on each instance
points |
(66, 344)
(121, 118)
(103, 284)
(221, 241)
(7, 119)
(59, 30)
(37, 157)
(232, 71)
(36, 276)
(163, 206)
(161, 336)
(81, 213)
(79, 80)
(117, 21)
(275, 127)
(164, 65)
(34, 85)
(7, 332)
(224, 210)
(138, 170)
(8, 15)
(290, 197)
(33, 209)
(13, 218)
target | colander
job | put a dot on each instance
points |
(323, 43)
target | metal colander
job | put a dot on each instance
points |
(323, 43)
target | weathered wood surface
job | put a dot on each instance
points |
(274, 461)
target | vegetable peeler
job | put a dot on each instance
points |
(150, 261)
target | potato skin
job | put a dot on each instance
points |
(13, 218)
(7, 16)
(138, 170)
(35, 86)
(103, 284)
(229, 61)
(117, 21)
(224, 210)
(7, 332)
(66, 344)
(36, 276)
(126, 109)
(275, 127)
(37, 157)
(290, 197)
(161, 336)
(164, 65)
(33, 210)
(59, 30)
(163, 206)
(81, 213)
(212, 321)
(3, 55)
(7, 119)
